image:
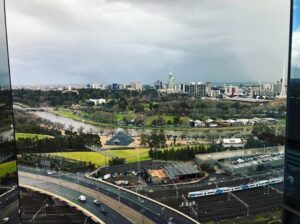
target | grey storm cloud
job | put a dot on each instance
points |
(77, 41)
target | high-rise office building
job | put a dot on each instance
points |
(291, 194)
(158, 85)
(208, 88)
(171, 81)
(292, 154)
(137, 86)
(196, 89)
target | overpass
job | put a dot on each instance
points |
(122, 206)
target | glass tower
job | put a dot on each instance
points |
(291, 198)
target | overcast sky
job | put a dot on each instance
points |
(105, 41)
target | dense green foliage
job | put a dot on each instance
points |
(154, 140)
(60, 143)
(116, 161)
(267, 134)
(28, 123)
(183, 154)
(56, 162)
(125, 107)
(207, 168)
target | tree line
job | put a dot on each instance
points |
(56, 163)
(75, 142)
(184, 153)
(145, 104)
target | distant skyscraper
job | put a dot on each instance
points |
(208, 88)
(158, 85)
(114, 86)
(138, 86)
(182, 88)
(276, 88)
(147, 87)
(197, 89)
(171, 81)
(231, 90)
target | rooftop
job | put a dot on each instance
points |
(177, 169)
(120, 138)
(160, 173)
(236, 153)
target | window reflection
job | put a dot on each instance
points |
(9, 197)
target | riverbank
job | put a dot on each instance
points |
(70, 115)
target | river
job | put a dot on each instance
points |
(131, 131)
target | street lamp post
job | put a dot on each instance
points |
(119, 196)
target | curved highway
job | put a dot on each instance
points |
(131, 206)
(72, 195)
(9, 206)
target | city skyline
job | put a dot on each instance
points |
(126, 40)
(164, 81)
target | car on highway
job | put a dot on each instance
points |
(212, 179)
(103, 211)
(82, 198)
(49, 172)
(5, 220)
(96, 202)
(170, 221)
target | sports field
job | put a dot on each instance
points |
(98, 158)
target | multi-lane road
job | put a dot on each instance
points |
(72, 195)
(121, 206)
(9, 206)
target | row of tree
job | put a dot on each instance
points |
(60, 143)
(268, 135)
(56, 163)
(184, 153)
(29, 123)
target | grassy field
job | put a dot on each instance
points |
(131, 155)
(98, 158)
(94, 157)
(29, 135)
(129, 116)
(75, 117)
(8, 167)
(68, 114)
